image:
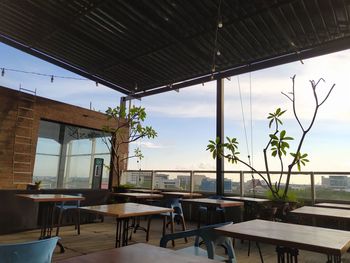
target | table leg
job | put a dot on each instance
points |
(287, 255)
(47, 222)
(121, 235)
(333, 259)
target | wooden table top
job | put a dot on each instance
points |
(214, 202)
(317, 239)
(334, 205)
(247, 199)
(141, 190)
(51, 197)
(322, 212)
(138, 253)
(139, 195)
(182, 194)
(125, 210)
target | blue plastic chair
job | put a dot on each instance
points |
(204, 210)
(176, 215)
(209, 237)
(39, 251)
(64, 208)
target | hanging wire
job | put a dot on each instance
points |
(216, 51)
(251, 130)
(243, 118)
(251, 117)
(245, 128)
(40, 74)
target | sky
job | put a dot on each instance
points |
(185, 120)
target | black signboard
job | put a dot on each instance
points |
(97, 175)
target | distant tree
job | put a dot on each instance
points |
(278, 143)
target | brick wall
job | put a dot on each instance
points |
(17, 120)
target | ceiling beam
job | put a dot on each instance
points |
(330, 47)
(8, 41)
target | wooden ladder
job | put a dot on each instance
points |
(23, 141)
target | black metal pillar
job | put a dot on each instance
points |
(220, 134)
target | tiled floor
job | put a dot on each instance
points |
(100, 236)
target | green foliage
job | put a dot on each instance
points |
(290, 197)
(274, 117)
(279, 143)
(126, 186)
(38, 183)
(300, 159)
(127, 127)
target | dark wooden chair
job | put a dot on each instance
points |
(209, 237)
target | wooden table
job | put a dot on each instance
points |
(251, 205)
(341, 216)
(182, 194)
(138, 196)
(141, 190)
(138, 253)
(322, 212)
(247, 199)
(123, 212)
(212, 204)
(334, 205)
(47, 204)
(290, 237)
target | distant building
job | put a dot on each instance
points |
(184, 181)
(209, 185)
(338, 182)
(255, 185)
(139, 178)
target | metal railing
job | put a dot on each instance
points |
(305, 185)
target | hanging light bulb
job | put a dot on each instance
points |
(218, 53)
(220, 24)
(2, 72)
(96, 84)
(51, 78)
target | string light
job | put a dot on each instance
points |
(220, 24)
(216, 51)
(51, 78)
(38, 74)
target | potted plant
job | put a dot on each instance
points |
(128, 128)
(278, 145)
(35, 186)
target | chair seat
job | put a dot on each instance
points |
(197, 251)
(204, 209)
(65, 207)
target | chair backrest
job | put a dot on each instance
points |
(216, 197)
(39, 251)
(210, 238)
(70, 204)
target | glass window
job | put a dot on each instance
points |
(65, 156)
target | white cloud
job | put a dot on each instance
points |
(149, 145)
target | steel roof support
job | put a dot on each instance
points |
(220, 134)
